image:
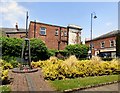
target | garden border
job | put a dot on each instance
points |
(92, 86)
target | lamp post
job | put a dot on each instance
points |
(93, 15)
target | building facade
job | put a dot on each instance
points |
(55, 37)
(104, 45)
(74, 34)
(13, 32)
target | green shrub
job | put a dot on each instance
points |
(12, 60)
(62, 54)
(10, 46)
(80, 51)
(12, 49)
(39, 50)
(52, 52)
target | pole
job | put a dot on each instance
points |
(26, 24)
(91, 37)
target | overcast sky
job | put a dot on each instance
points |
(62, 13)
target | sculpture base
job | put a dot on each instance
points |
(28, 70)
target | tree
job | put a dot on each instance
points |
(39, 50)
(79, 50)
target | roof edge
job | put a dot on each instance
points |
(47, 24)
(103, 36)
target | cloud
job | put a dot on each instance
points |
(12, 12)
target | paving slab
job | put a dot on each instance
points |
(29, 82)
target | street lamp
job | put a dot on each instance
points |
(93, 15)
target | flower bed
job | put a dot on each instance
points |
(73, 68)
(4, 68)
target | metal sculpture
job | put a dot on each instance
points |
(26, 55)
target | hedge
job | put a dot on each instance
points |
(12, 47)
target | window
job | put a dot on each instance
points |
(61, 33)
(56, 32)
(43, 31)
(111, 43)
(65, 33)
(102, 44)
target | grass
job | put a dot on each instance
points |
(62, 85)
(5, 89)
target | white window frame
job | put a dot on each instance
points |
(111, 43)
(41, 30)
(101, 44)
(56, 32)
(65, 33)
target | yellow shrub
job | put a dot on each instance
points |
(96, 59)
(72, 67)
(7, 66)
(72, 60)
(4, 75)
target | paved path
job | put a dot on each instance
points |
(111, 87)
(35, 82)
(29, 82)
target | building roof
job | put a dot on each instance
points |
(74, 26)
(110, 34)
(47, 24)
(12, 30)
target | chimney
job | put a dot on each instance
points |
(17, 27)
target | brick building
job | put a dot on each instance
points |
(55, 37)
(13, 32)
(104, 45)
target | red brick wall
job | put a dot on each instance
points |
(16, 35)
(97, 43)
(49, 39)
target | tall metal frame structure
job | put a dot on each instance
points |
(26, 54)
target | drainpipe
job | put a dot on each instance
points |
(59, 39)
(67, 35)
(35, 29)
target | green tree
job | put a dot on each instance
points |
(80, 51)
(39, 50)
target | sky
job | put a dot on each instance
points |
(62, 14)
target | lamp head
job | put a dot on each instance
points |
(95, 17)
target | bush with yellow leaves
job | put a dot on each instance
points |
(4, 69)
(73, 68)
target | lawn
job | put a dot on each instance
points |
(5, 89)
(62, 85)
